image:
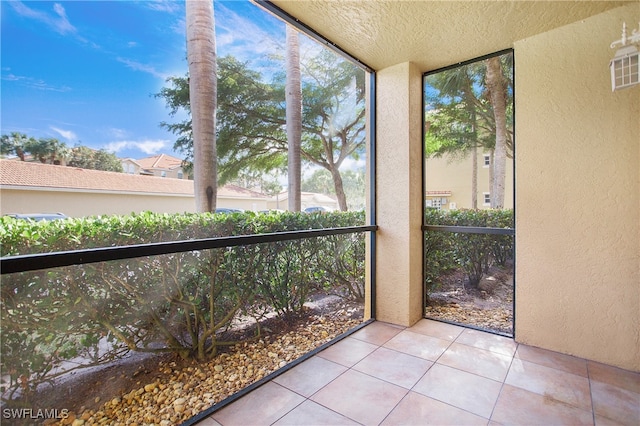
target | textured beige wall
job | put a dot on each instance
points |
(399, 194)
(578, 194)
(79, 204)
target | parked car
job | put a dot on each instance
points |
(39, 216)
(228, 210)
(317, 209)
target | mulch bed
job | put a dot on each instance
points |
(166, 389)
(488, 307)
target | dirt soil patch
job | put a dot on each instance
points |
(488, 306)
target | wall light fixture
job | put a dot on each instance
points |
(625, 66)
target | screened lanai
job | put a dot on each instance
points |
(577, 232)
(576, 235)
(576, 163)
(574, 356)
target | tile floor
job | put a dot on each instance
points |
(439, 374)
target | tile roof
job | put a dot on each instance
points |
(37, 175)
(162, 161)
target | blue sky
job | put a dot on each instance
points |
(85, 72)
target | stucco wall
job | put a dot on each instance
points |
(399, 185)
(452, 174)
(79, 203)
(578, 194)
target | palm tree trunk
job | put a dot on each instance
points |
(474, 178)
(497, 91)
(492, 177)
(467, 90)
(201, 55)
(293, 101)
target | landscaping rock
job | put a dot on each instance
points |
(178, 390)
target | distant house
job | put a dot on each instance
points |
(45, 188)
(162, 165)
(308, 199)
(448, 182)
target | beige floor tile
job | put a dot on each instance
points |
(360, 397)
(437, 373)
(566, 387)
(618, 404)
(614, 376)
(491, 342)
(394, 367)
(556, 360)
(420, 410)
(263, 406)
(603, 421)
(208, 422)
(377, 332)
(517, 406)
(310, 413)
(310, 376)
(348, 352)
(482, 362)
(437, 329)
(467, 391)
(419, 345)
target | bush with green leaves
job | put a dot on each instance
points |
(170, 303)
(474, 253)
(341, 258)
(292, 269)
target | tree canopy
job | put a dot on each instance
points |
(251, 126)
(462, 106)
(353, 181)
(53, 151)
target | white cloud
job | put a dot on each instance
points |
(170, 6)
(179, 26)
(34, 83)
(116, 133)
(241, 37)
(62, 25)
(67, 134)
(13, 77)
(56, 21)
(137, 66)
(147, 146)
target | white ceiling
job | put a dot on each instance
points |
(434, 34)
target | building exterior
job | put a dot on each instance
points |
(44, 188)
(448, 182)
(307, 199)
(161, 165)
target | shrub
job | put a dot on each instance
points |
(474, 253)
(171, 303)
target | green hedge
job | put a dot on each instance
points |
(474, 253)
(177, 302)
